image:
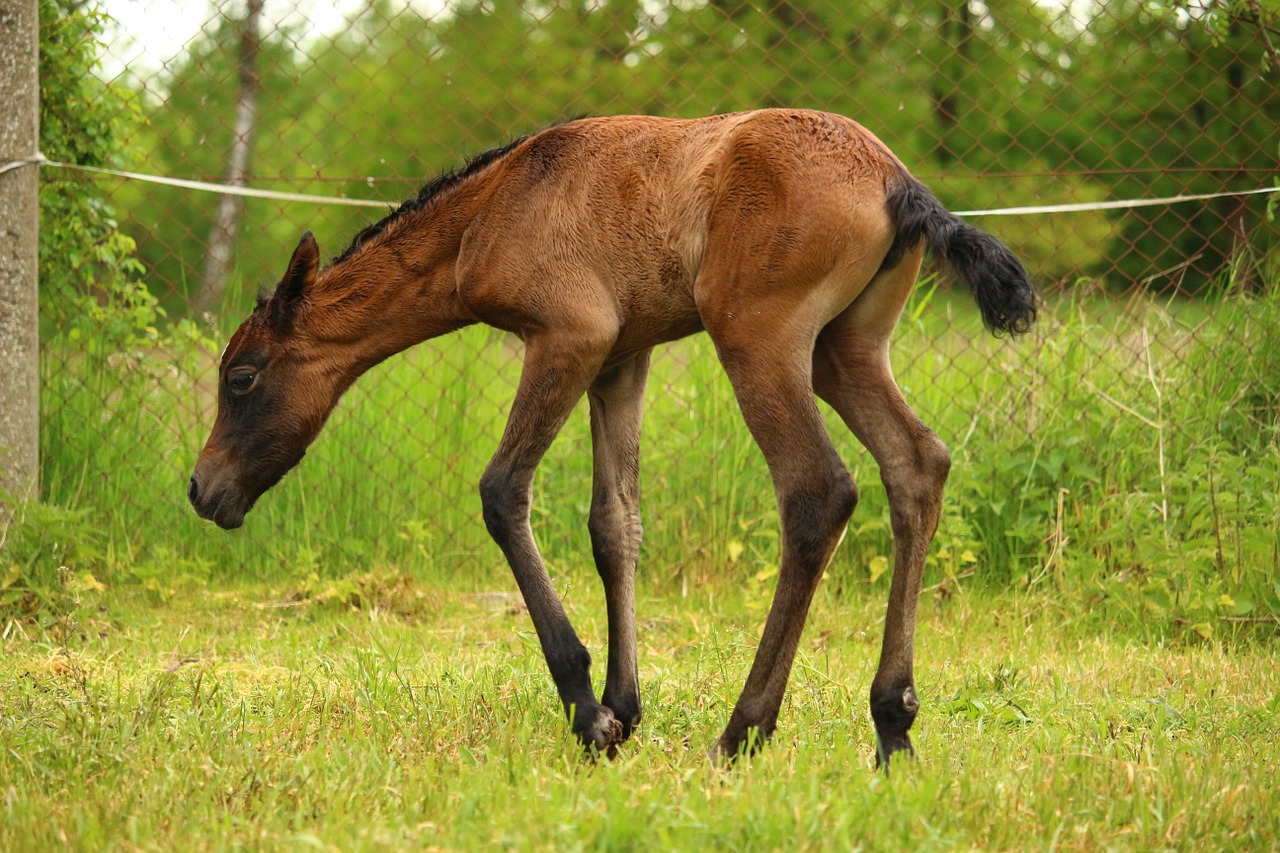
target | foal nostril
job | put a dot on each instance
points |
(193, 490)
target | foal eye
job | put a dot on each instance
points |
(242, 382)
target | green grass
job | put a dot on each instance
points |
(382, 712)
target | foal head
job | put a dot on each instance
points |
(275, 390)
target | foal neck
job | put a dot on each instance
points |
(396, 289)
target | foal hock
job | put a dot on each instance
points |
(792, 238)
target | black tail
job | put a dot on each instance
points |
(995, 277)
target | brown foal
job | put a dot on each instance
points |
(792, 237)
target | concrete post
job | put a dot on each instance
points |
(19, 223)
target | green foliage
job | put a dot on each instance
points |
(1132, 468)
(1013, 103)
(84, 257)
(92, 295)
(995, 698)
(1150, 488)
(1125, 457)
(107, 350)
(1056, 246)
(1195, 105)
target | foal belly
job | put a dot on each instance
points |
(653, 291)
(643, 336)
(654, 322)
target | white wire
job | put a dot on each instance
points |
(252, 192)
(1126, 204)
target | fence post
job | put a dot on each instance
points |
(19, 222)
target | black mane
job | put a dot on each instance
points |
(430, 190)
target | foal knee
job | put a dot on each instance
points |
(935, 458)
(928, 466)
(504, 503)
(615, 536)
(915, 484)
(813, 520)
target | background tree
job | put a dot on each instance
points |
(87, 262)
(222, 236)
(994, 104)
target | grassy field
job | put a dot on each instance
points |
(386, 713)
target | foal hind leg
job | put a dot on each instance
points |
(769, 365)
(617, 401)
(557, 370)
(851, 372)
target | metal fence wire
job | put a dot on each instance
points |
(993, 104)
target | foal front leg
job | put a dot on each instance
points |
(557, 369)
(617, 402)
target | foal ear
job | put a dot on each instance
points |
(298, 278)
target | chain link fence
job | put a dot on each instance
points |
(994, 105)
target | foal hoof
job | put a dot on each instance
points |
(598, 731)
(887, 748)
(893, 713)
(626, 710)
(729, 748)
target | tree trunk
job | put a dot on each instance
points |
(19, 226)
(222, 236)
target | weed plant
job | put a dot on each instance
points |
(1124, 455)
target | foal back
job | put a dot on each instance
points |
(626, 222)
